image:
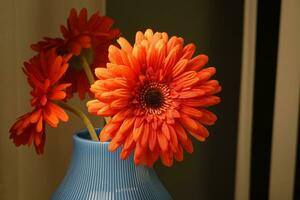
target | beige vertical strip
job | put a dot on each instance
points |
(8, 101)
(242, 180)
(23, 174)
(286, 108)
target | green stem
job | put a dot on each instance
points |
(87, 70)
(83, 117)
(90, 77)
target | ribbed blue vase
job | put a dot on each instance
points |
(96, 173)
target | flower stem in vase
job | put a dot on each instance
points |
(83, 117)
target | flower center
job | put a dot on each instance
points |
(153, 98)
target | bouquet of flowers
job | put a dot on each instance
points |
(153, 94)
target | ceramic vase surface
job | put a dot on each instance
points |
(95, 173)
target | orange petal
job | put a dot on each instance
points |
(134, 64)
(179, 154)
(203, 102)
(179, 67)
(188, 146)
(103, 73)
(113, 145)
(197, 62)
(193, 112)
(152, 139)
(188, 122)
(125, 45)
(180, 132)
(119, 104)
(192, 93)
(122, 71)
(139, 53)
(145, 135)
(121, 115)
(94, 105)
(106, 111)
(173, 140)
(138, 153)
(208, 117)
(162, 141)
(188, 51)
(114, 55)
(39, 126)
(137, 131)
(206, 74)
(57, 95)
(139, 36)
(167, 159)
(58, 111)
(129, 142)
(124, 130)
(125, 153)
(109, 131)
(35, 116)
(165, 130)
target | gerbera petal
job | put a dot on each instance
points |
(165, 130)
(57, 95)
(193, 112)
(129, 142)
(119, 104)
(206, 74)
(122, 71)
(60, 113)
(188, 51)
(39, 126)
(145, 135)
(167, 159)
(188, 122)
(109, 131)
(121, 115)
(125, 45)
(114, 55)
(192, 93)
(103, 73)
(197, 62)
(35, 116)
(137, 131)
(124, 129)
(152, 139)
(162, 141)
(203, 102)
(179, 154)
(208, 118)
(179, 67)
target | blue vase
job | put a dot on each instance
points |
(96, 173)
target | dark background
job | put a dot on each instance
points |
(216, 28)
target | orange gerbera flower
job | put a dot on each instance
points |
(43, 72)
(156, 92)
(85, 37)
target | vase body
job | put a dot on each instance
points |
(95, 173)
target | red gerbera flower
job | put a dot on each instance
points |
(43, 72)
(156, 92)
(83, 37)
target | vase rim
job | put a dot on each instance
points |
(83, 136)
